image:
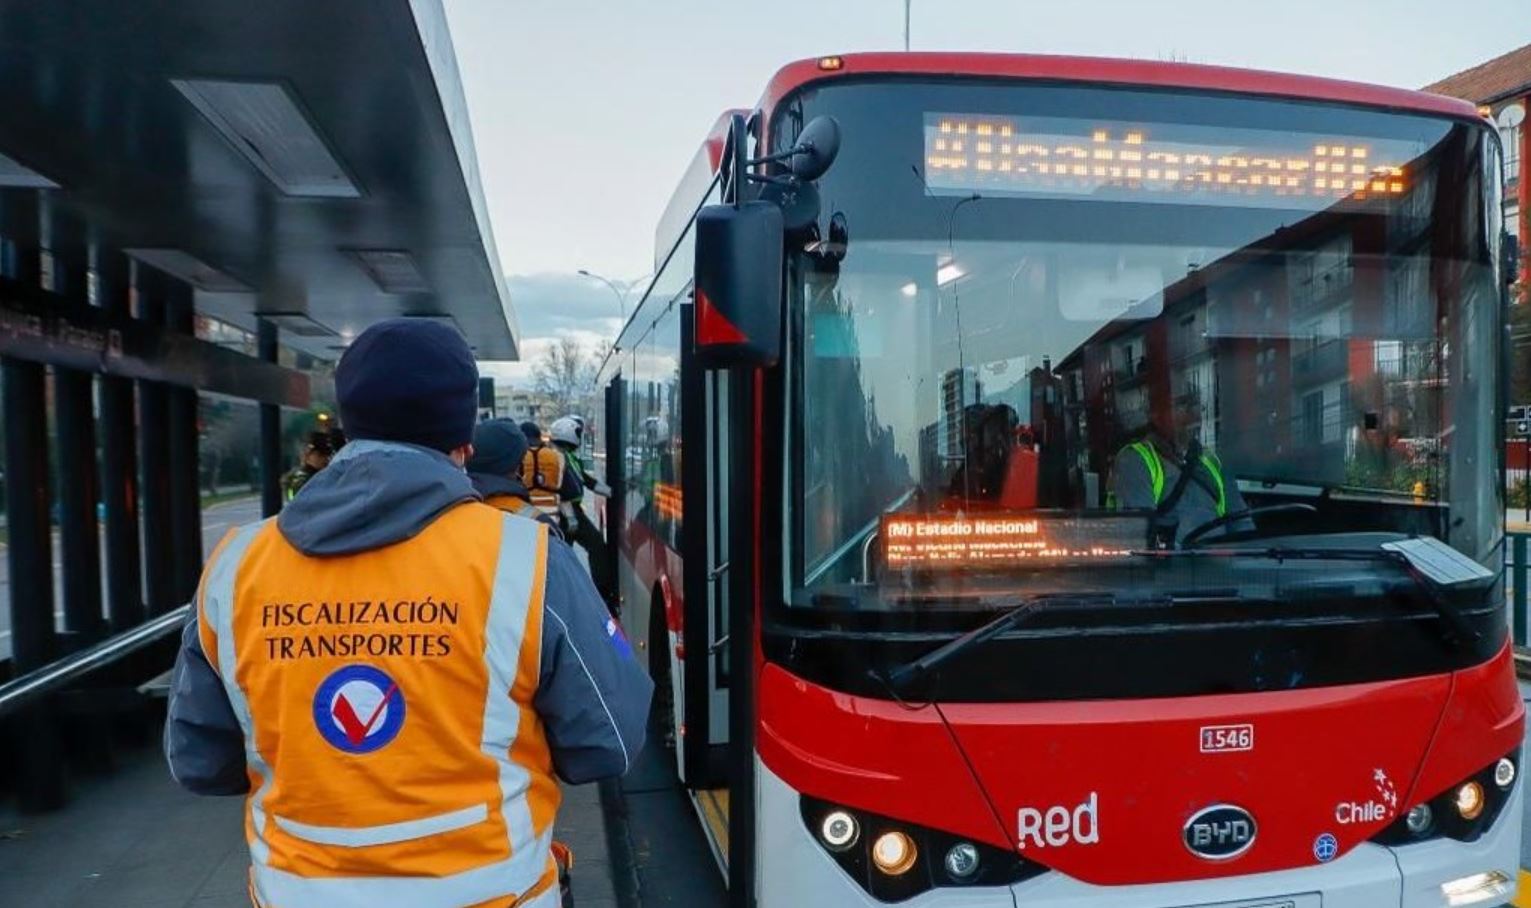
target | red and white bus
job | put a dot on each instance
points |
(866, 433)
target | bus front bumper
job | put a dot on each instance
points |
(795, 872)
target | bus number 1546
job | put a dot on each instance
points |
(1224, 738)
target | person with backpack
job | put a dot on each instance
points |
(545, 473)
(555, 486)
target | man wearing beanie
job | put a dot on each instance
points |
(397, 673)
(499, 446)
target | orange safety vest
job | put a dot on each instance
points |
(513, 504)
(394, 754)
(542, 473)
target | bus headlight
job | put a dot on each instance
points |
(894, 853)
(1476, 889)
(1419, 818)
(1464, 811)
(1504, 772)
(839, 830)
(892, 859)
(1469, 800)
(962, 861)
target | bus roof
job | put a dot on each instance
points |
(1105, 70)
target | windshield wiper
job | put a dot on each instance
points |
(900, 678)
(1435, 567)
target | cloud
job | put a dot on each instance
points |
(550, 306)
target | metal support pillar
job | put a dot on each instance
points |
(1518, 587)
(270, 430)
(185, 479)
(79, 533)
(29, 555)
(119, 465)
(27, 504)
(154, 462)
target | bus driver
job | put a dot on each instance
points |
(1147, 474)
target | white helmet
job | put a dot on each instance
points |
(565, 430)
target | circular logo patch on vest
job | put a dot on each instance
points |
(359, 709)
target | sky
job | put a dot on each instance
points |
(585, 112)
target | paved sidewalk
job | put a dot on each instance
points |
(135, 840)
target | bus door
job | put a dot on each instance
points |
(614, 508)
(707, 477)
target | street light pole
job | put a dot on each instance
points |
(906, 25)
(621, 296)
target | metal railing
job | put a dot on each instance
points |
(21, 691)
(1325, 360)
(1322, 287)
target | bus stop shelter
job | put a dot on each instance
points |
(284, 171)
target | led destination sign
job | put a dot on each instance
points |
(941, 541)
(1064, 158)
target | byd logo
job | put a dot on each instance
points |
(1220, 832)
(1057, 826)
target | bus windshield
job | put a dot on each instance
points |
(1067, 326)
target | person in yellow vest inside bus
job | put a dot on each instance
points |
(395, 673)
(1188, 485)
(499, 447)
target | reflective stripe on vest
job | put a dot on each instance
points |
(1155, 468)
(515, 590)
(1215, 469)
(513, 504)
(218, 608)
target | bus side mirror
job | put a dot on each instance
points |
(738, 285)
(817, 147)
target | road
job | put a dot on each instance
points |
(216, 520)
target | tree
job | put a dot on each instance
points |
(565, 375)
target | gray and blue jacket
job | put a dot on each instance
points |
(592, 697)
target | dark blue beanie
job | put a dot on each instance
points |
(499, 446)
(409, 380)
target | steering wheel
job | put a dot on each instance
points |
(1244, 514)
